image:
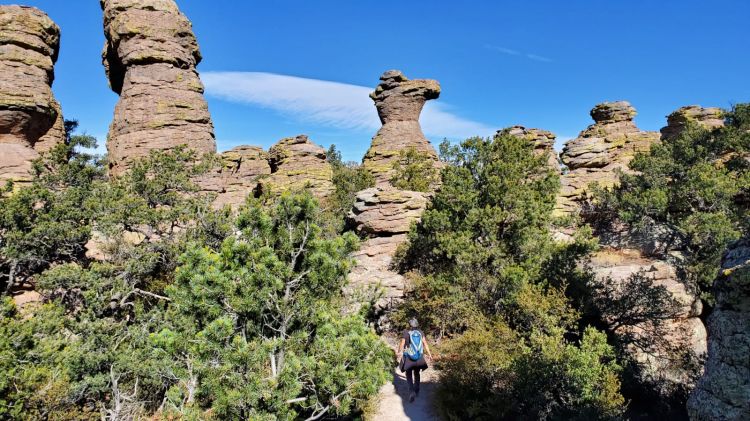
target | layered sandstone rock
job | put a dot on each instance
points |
(297, 163)
(384, 216)
(723, 393)
(543, 142)
(30, 118)
(399, 102)
(150, 58)
(604, 147)
(236, 176)
(709, 118)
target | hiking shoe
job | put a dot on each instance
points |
(412, 395)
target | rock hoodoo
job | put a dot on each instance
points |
(399, 102)
(723, 393)
(709, 118)
(31, 120)
(605, 146)
(150, 57)
(237, 175)
(542, 140)
(297, 163)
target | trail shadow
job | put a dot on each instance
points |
(395, 405)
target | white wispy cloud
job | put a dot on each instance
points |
(334, 104)
(512, 52)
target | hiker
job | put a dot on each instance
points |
(412, 349)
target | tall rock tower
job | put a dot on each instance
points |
(150, 57)
(399, 102)
(383, 214)
(31, 120)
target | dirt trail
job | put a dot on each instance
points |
(393, 399)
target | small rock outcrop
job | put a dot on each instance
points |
(399, 102)
(31, 120)
(709, 118)
(543, 142)
(604, 147)
(236, 175)
(723, 393)
(298, 163)
(150, 57)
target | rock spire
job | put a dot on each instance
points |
(31, 120)
(150, 57)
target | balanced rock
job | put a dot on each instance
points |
(399, 102)
(150, 57)
(297, 163)
(604, 147)
(31, 120)
(677, 122)
(383, 215)
(723, 393)
(543, 142)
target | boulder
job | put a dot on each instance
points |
(677, 121)
(236, 175)
(723, 393)
(297, 163)
(399, 102)
(599, 151)
(30, 118)
(150, 57)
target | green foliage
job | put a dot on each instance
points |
(488, 275)
(131, 335)
(348, 179)
(48, 220)
(414, 170)
(693, 188)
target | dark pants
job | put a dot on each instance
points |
(413, 384)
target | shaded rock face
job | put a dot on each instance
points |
(298, 163)
(605, 146)
(150, 57)
(399, 102)
(384, 216)
(667, 356)
(543, 142)
(723, 393)
(31, 120)
(709, 118)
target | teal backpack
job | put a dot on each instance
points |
(416, 346)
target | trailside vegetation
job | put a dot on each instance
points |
(157, 305)
(485, 279)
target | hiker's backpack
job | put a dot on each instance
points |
(416, 346)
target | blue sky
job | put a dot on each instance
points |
(280, 68)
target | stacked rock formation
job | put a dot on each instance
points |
(543, 142)
(150, 57)
(298, 163)
(31, 120)
(723, 393)
(399, 102)
(383, 214)
(604, 147)
(709, 118)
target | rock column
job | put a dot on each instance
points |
(31, 120)
(150, 57)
